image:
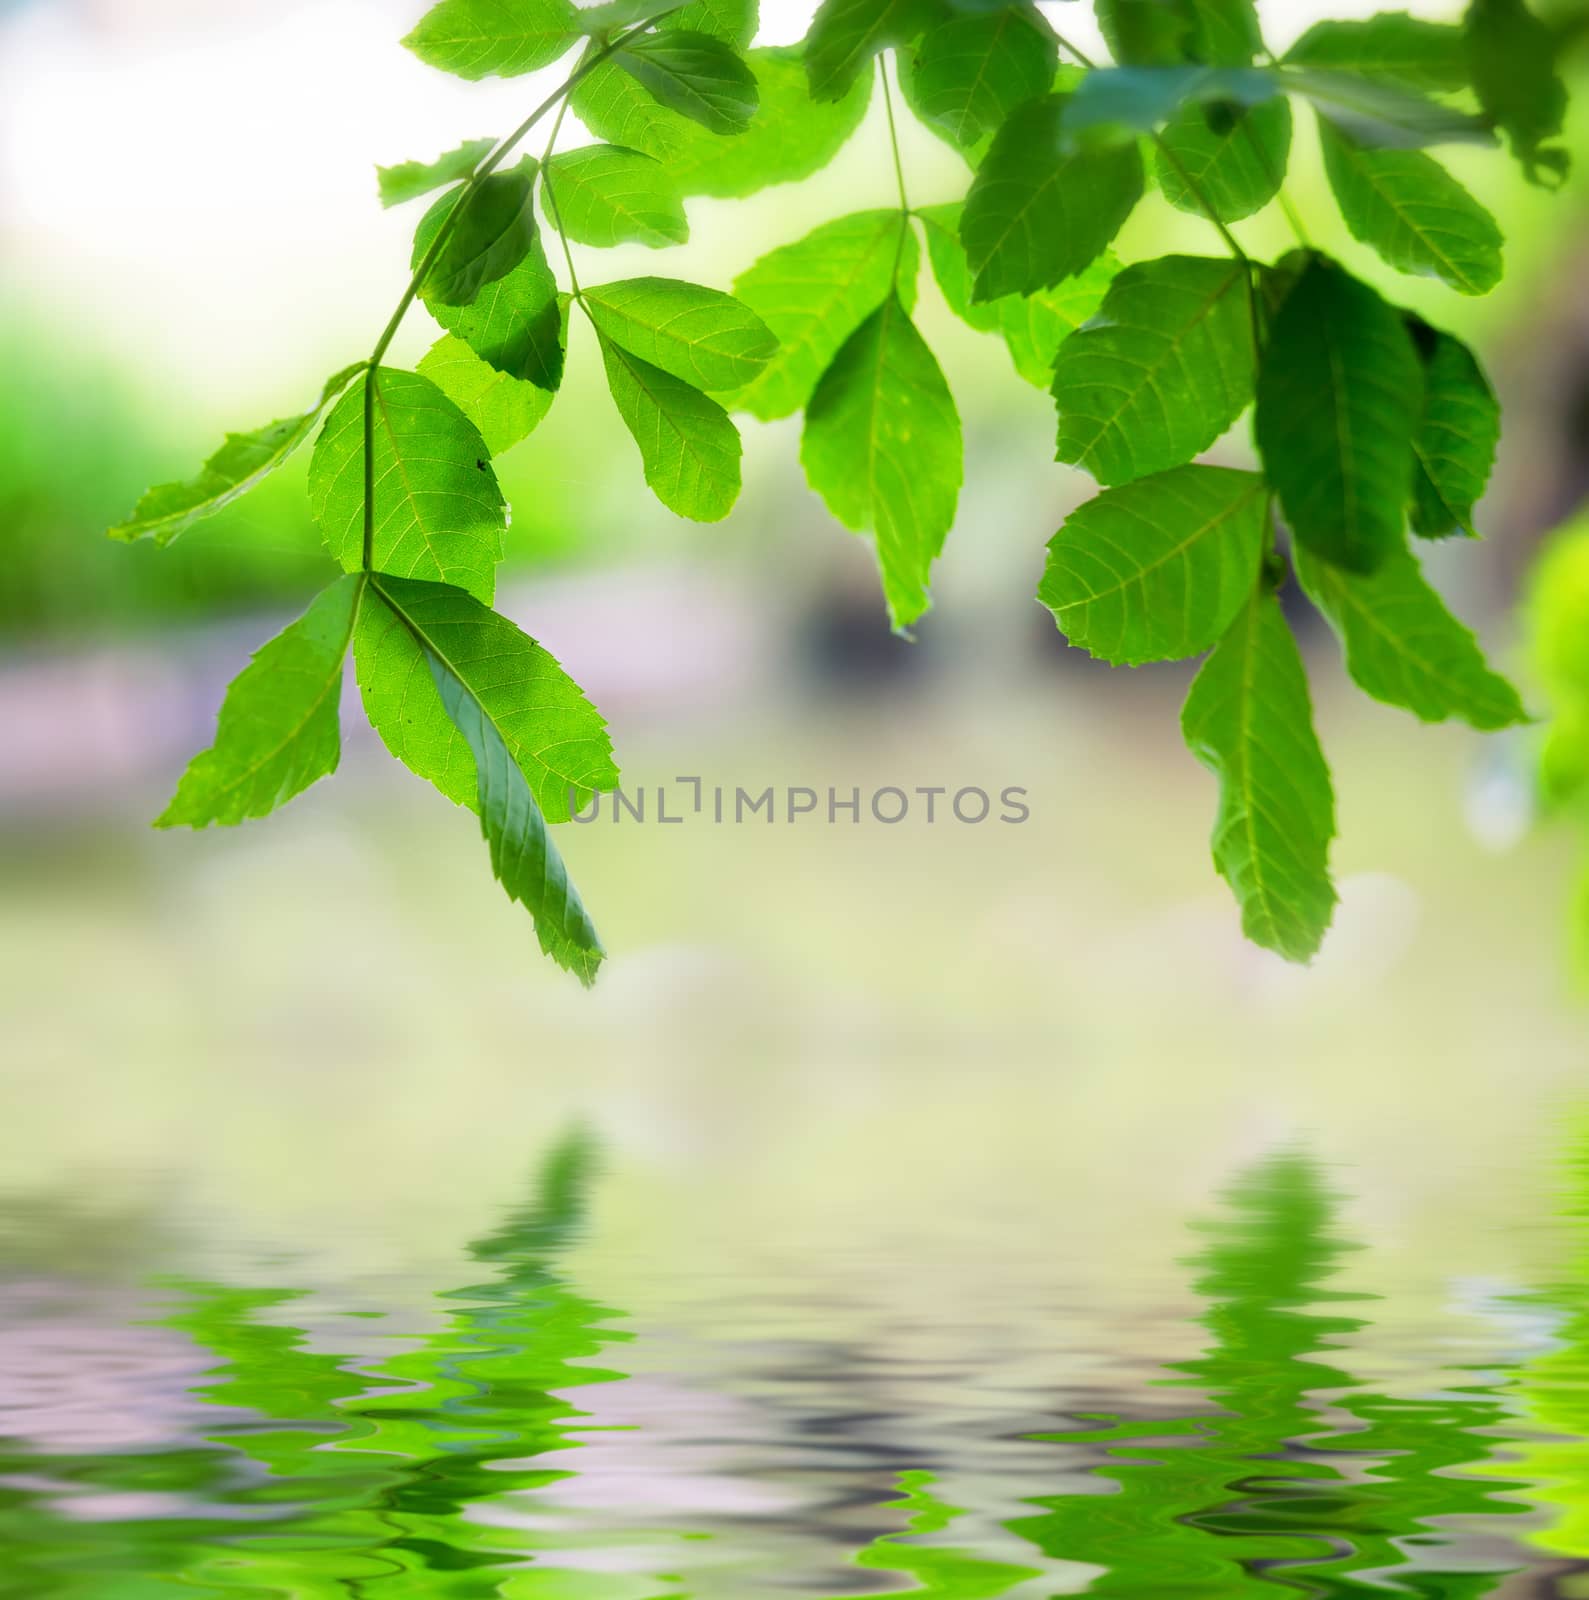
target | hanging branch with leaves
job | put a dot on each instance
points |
(1369, 424)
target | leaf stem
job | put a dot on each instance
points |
(551, 202)
(470, 189)
(899, 170)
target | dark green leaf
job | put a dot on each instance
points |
(1377, 112)
(172, 508)
(689, 446)
(438, 511)
(1428, 56)
(882, 447)
(478, 38)
(605, 195)
(846, 34)
(1229, 160)
(1454, 448)
(1032, 326)
(812, 294)
(504, 409)
(494, 231)
(1163, 369)
(412, 179)
(1036, 213)
(693, 74)
(1115, 104)
(973, 70)
(1158, 33)
(514, 324)
(1406, 206)
(1340, 395)
(1157, 569)
(1248, 719)
(278, 729)
(1511, 58)
(707, 338)
(468, 701)
(1402, 645)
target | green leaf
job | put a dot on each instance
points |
(1378, 112)
(1403, 647)
(244, 460)
(1454, 447)
(732, 21)
(813, 293)
(412, 179)
(478, 38)
(495, 230)
(1427, 56)
(504, 409)
(1159, 33)
(1511, 57)
(1032, 326)
(707, 338)
(1115, 104)
(1248, 719)
(693, 74)
(438, 511)
(1340, 395)
(605, 195)
(1232, 158)
(1156, 570)
(1407, 207)
(688, 445)
(1037, 213)
(846, 34)
(514, 324)
(477, 707)
(882, 447)
(1161, 372)
(973, 70)
(278, 729)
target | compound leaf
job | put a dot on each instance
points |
(411, 179)
(1160, 372)
(708, 339)
(439, 514)
(244, 460)
(1403, 647)
(493, 232)
(504, 409)
(689, 446)
(1249, 720)
(468, 701)
(1454, 448)
(1157, 569)
(882, 447)
(846, 34)
(278, 729)
(1407, 207)
(1340, 395)
(514, 324)
(1227, 159)
(813, 293)
(605, 195)
(1032, 326)
(1039, 211)
(1428, 56)
(478, 38)
(697, 76)
(974, 69)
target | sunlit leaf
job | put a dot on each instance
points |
(846, 34)
(689, 446)
(439, 514)
(242, 462)
(411, 179)
(504, 409)
(693, 74)
(1224, 159)
(973, 70)
(1392, 45)
(1340, 395)
(1454, 447)
(480, 38)
(1249, 720)
(1402, 645)
(1156, 570)
(278, 729)
(605, 195)
(882, 447)
(707, 338)
(1161, 371)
